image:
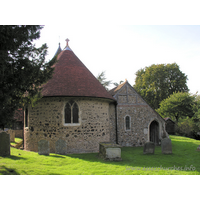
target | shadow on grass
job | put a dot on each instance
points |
(16, 157)
(183, 157)
(55, 156)
(8, 171)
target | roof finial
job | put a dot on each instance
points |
(67, 40)
(67, 45)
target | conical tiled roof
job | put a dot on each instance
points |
(72, 78)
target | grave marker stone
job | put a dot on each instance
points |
(166, 146)
(12, 135)
(4, 144)
(149, 148)
(61, 147)
(43, 147)
(110, 151)
(198, 148)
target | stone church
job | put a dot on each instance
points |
(76, 112)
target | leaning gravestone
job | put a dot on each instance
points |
(43, 147)
(61, 147)
(149, 148)
(110, 151)
(166, 146)
(4, 144)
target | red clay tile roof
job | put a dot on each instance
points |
(72, 78)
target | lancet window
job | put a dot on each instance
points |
(71, 113)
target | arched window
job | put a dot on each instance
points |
(71, 113)
(127, 123)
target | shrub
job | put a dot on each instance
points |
(187, 127)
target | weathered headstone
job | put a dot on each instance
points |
(12, 135)
(4, 144)
(166, 146)
(149, 148)
(61, 147)
(43, 147)
(110, 151)
(198, 148)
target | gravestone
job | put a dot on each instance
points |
(166, 146)
(110, 151)
(61, 147)
(4, 144)
(149, 148)
(12, 135)
(43, 147)
(198, 148)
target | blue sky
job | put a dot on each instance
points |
(121, 50)
(118, 37)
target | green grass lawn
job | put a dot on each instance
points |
(17, 140)
(184, 160)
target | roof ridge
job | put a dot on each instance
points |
(117, 88)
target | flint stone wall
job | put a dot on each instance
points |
(46, 122)
(18, 133)
(131, 104)
(4, 144)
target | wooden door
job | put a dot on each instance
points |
(154, 132)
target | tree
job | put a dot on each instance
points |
(157, 82)
(117, 84)
(178, 105)
(23, 68)
(196, 117)
(102, 79)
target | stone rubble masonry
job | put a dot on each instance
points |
(18, 133)
(131, 104)
(100, 120)
(46, 122)
(112, 122)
